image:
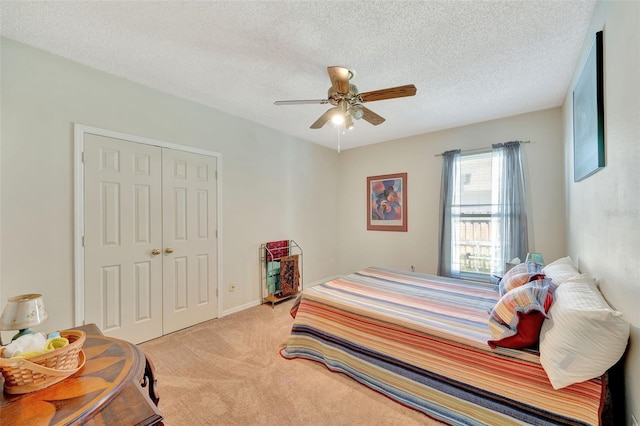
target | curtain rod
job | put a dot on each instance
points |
(468, 151)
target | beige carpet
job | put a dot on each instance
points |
(228, 371)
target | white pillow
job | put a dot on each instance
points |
(583, 337)
(561, 270)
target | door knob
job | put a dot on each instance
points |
(155, 252)
(168, 250)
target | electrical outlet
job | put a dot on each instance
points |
(232, 287)
(634, 421)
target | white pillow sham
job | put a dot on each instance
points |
(583, 337)
(560, 270)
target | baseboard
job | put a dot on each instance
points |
(239, 308)
(324, 280)
(257, 302)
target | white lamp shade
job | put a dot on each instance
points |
(22, 312)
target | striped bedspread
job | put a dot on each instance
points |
(422, 341)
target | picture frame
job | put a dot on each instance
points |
(387, 202)
(588, 114)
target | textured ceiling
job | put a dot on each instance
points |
(471, 61)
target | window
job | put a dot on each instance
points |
(483, 221)
(473, 216)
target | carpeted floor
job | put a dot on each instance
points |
(228, 371)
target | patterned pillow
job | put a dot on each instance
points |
(516, 319)
(519, 275)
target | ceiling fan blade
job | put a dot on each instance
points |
(302, 101)
(371, 116)
(393, 92)
(324, 118)
(339, 79)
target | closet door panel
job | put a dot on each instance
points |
(123, 202)
(190, 257)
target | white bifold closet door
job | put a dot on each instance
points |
(150, 243)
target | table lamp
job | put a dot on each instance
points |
(22, 312)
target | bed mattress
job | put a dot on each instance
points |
(422, 341)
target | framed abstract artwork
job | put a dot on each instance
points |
(588, 114)
(387, 202)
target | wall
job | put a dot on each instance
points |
(604, 209)
(543, 160)
(272, 183)
(275, 186)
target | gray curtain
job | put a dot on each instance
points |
(450, 173)
(512, 211)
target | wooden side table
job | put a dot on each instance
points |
(108, 390)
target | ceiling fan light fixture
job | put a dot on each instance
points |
(338, 118)
(348, 122)
(356, 112)
(340, 115)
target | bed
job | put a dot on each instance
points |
(422, 341)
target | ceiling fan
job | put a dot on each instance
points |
(347, 102)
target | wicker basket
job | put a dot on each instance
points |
(23, 375)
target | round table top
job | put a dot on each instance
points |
(110, 365)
